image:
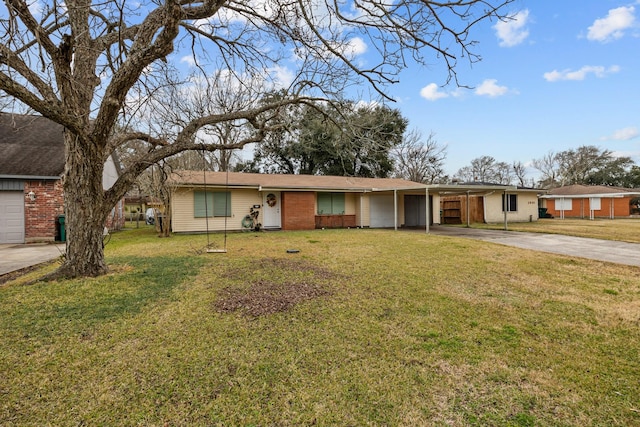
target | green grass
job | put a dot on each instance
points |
(621, 229)
(390, 328)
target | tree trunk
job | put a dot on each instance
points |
(85, 210)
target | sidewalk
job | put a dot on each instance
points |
(16, 257)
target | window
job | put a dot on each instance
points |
(595, 203)
(511, 202)
(211, 203)
(564, 204)
(330, 203)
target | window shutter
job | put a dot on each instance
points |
(337, 205)
(324, 203)
(222, 204)
(200, 209)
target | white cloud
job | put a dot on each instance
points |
(189, 60)
(356, 47)
(581, 74)
(491, 88)
(36, 9)
(282, 77)
(513, 31)
(613, 25)
(431, 92)
(625, 134)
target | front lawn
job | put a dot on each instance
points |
(360, 327)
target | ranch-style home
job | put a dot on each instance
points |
(217, 201)
(592, 201)
(31, 167)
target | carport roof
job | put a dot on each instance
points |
(477, 188)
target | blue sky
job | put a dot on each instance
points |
(565, 73)
(561, 74)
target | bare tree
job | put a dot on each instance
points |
(584, 165)
(419, 160)
(89, 66)
(520, 172)
(548, 167)
(486, 169)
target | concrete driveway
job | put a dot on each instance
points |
(601, 250)
(16, 257)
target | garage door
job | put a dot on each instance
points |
(382, 212)
(11, 217)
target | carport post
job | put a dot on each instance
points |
(468, 211)
(395, 209)
(428, 208)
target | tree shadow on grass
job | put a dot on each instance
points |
(75, 306)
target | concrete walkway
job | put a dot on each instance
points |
(16, 257)
(601, 250)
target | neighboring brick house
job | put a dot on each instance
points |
(592, 201)
(31, 168)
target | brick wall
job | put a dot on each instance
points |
(580, 208)
(116, 218)
(298, 210)
(41, 214)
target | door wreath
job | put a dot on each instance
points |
(271, 199)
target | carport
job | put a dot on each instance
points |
(469, 189)
(443, 190)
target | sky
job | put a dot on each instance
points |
(563, 74)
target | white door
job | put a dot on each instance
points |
(11, 217)
(271, 210)
(381, 211)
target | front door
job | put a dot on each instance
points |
(271, 210)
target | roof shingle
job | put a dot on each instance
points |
(30, 146)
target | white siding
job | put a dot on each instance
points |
(182, 207)
(527, 208)
(435, 209)
(365, 210)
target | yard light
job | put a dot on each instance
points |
(32, 196)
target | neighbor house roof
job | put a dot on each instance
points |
(30, 147)
(580, 191)
(292, 182)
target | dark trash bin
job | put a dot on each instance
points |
(61, 225)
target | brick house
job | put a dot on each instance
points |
(592, 201)
(31, 168)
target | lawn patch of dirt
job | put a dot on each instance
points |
(282, 285)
